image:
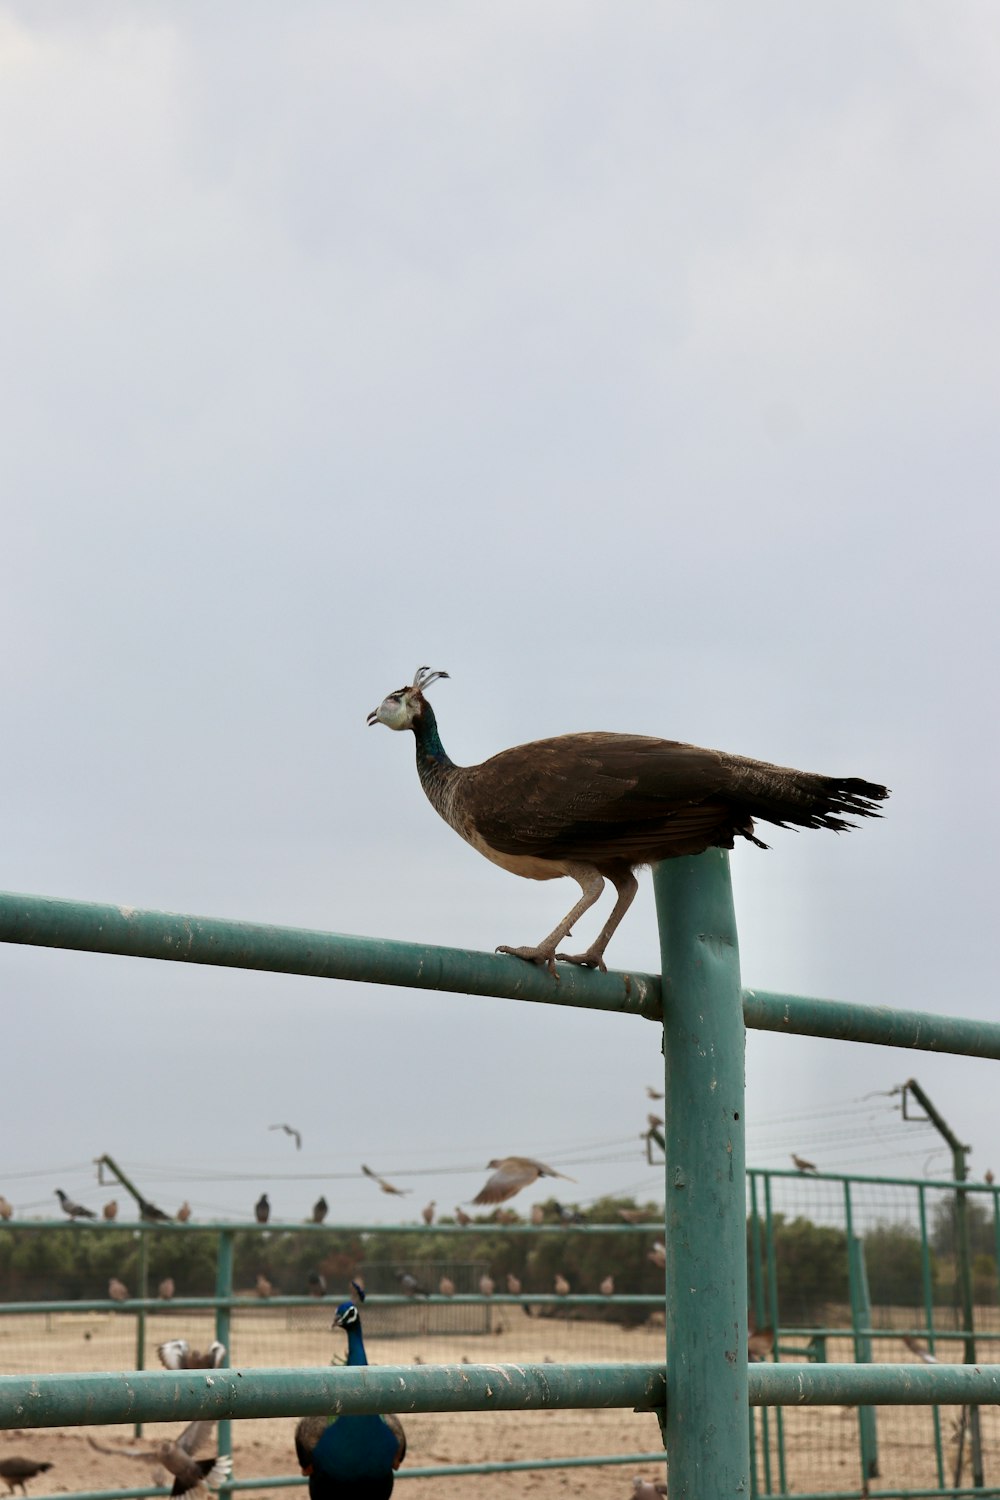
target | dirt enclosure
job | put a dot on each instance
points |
(821, 1446)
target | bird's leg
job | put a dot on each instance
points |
(591, 884)
(626, 885)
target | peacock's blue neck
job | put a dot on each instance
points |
(431, 754)
(356, 1345)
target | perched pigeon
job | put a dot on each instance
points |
(410, 1285)
(446, 1287)
(658, 1254)
(74, 1210)
(263, 1286)
(262, 1209)
(803, 1165)
(461, 1217)
(16, 1470)
(177, 1354)
(184, 1212)
(166, 1288)
(607, 1287)
(6, 1209)
(510, 1175)
(117, 1290)
(320, 1210)
(317, 1284)
(486, 1285)
(561, 1285)
(427, 1212)
(513, 1284)
(177, 1456)
(110, 1209)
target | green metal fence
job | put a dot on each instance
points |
(704, 1392)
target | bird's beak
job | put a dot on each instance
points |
(373, 717)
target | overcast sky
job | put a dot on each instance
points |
(637, 365)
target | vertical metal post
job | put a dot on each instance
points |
(707, 1419)
(927, 1284)
(223, 1332)
(140, 1321)
(774, 1317)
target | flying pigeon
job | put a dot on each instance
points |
(290, 1130)
(177, 1456)
(510, 1175)
(386, 1187)
(177, 1354)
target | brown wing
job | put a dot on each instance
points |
(595, 796)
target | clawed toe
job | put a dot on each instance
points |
(532, 956)
(588, 960)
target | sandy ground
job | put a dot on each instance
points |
(820, 1445)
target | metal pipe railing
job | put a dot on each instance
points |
(179, 938)
(154, 1396)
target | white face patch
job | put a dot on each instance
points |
(396, 712)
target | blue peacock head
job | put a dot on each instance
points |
(346, 1316)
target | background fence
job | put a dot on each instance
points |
(841, 1268)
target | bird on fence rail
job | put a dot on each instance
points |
(598, 806)
(110, 1209)
(386, 1187)
(350, 1457)
(320, 1210)
(317, 1284)
(803, 1165)
(427, 1212)
(262, 1209)
(177, 1354)
(117, 1290)
(510, 1175)
(561, 1285)
(446, 1287)
(487, 1286)
(16, 1471)
(514, 1285)
(184, 1212)
(177, 1456)
(6, 1208)
(74, 1210)
(607, 1287)
(166, 1289)
(461, 1217)
(410, 1285)
(263, 1285)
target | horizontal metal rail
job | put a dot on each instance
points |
(325, 955)
(428, 1471)
(150, 1396)
(92, 927)
(463, 1231)
(259, 1304)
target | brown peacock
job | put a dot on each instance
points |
(597, 806)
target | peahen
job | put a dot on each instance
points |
(597, 806)
(350, 1457)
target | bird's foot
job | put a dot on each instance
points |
(546, 956)
(589, 960)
